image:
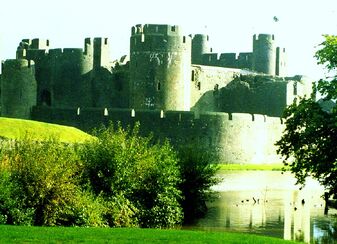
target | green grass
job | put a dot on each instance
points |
(276, 166)
(18, 129)
(19, 234)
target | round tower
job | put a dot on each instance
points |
(160, 68)
(200, 46)
(71, 77)
(264, 54)
(18, 88)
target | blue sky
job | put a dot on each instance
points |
(230, 24)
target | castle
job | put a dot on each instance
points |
(227, 104)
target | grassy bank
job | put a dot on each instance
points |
(19, 234)
(276, 167)
(18, 128)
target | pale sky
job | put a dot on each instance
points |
(230, 24)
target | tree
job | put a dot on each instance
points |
(198, 176)
(138, 177)
(309, 142)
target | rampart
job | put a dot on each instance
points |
(265, 58)
(229, 60)
(229, 138)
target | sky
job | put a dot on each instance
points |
(229, 24)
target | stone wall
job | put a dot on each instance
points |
(229, 138)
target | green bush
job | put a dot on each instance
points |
(12, 209)
(39, 181)
(198, 175)
(120, 179)
(145, 173)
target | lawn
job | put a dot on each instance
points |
(275, 166)
(18, 128)
(20, 234)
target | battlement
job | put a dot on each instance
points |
(264, 37)
(228, 60)
(200, 37)
(88, 46)
(186, 117)
(35, 43)
(101, 52)
(153, 29)
(157, 37)
(39, 44)
(17, 64)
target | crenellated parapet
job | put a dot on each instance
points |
(265, 58)
(228, 60)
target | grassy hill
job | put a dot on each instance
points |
(18, 128)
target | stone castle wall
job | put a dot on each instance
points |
(229, 138)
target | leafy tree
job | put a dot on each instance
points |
(145, 175)
(39, 186)
(309, 142)
(198, 175)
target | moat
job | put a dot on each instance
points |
(269, 203)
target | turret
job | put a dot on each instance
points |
(71, 77)
(101, 52)
(200, 46)
(18, 88)
(281, 59)
(264, 54)
(160, 68)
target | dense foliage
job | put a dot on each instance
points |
(38, 185)
(310, 140)
(198, 176)
(122, 163)
(118, 179)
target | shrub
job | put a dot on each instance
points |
(198, 175)
(39, 181)
(145, 173)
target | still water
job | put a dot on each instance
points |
(269, 203)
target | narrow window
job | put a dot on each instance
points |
(193, 76)
(158, 86)
(295, 89)
(199, 86)
(184, 39)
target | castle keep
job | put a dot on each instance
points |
(227, 104)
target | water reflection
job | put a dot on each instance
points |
(269, 203)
